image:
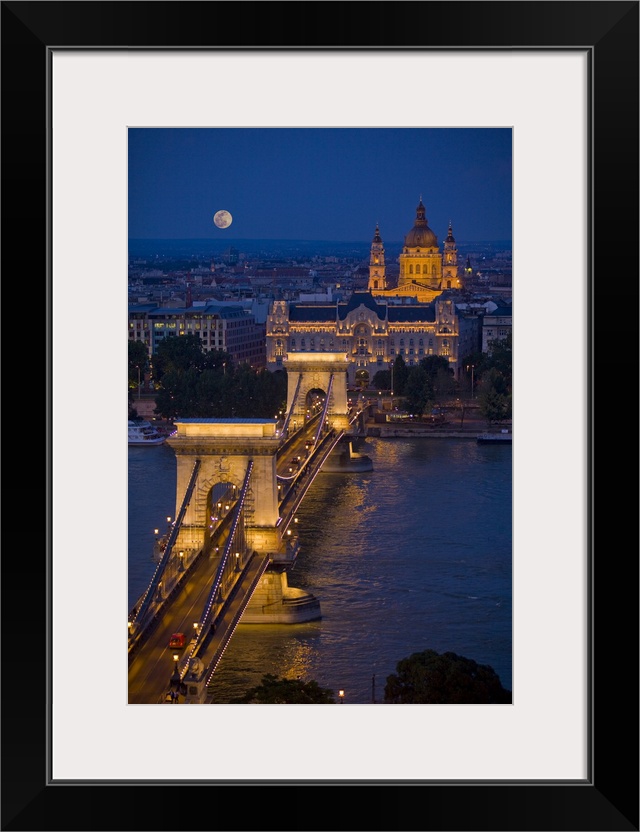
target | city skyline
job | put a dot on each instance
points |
(319, 183)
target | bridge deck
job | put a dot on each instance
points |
(152, 663)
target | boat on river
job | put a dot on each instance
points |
(502, 437)
(143, 433)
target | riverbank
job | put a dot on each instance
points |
(452, 428)
(391, 431)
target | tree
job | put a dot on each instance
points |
(382, 380)
(275, 691)
(495, 396)
(500, 356)
(444, 679)
(440, 374)
(138, 363)
(399, 375)
(418, 391)
(215, 389)
(181, 352)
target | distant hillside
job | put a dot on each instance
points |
(150, 249)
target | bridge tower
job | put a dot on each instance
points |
(225, 448)
(325, 371)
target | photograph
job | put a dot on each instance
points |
(320, 420)
(317, 219)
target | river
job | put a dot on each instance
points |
(414, 555)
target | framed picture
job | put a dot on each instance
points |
(564, 76)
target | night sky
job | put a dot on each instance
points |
(319, 183)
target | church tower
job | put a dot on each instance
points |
(468, 272)
(377, 268)
(450, 276)
(420, 260)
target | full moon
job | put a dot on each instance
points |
(222, 219)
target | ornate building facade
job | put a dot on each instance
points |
(425, 271)
(414, 319)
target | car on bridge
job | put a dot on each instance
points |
(177, 640)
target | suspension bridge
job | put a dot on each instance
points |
(226, 556)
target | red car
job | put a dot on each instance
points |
(177, 640)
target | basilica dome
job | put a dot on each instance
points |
(421, 236)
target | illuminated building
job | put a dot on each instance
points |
(218, 327)
(425, 271)
(414, 319)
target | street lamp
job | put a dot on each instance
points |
(181, 567)
(237, 561)
(341, 696)
(175, 679)
(471, 367)
(195, 630)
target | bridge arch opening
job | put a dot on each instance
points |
(220, 500)
(314, 401)
(362, 378)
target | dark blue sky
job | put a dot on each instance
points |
(319, 183)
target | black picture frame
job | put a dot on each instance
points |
(608, 799)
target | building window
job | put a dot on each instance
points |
(421, 343)
(418, 268)
(402, 342)
(410, 342)
(293, 343)
(410, 269)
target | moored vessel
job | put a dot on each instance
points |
(143, 433)
(502, 437)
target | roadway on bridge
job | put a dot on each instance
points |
(152, 663)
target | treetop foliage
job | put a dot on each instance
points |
(194, 384)
(275, 691)
(444, 679)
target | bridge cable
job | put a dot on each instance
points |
(206, 616)
(285, 427)
(324, 409)
(160, 568)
